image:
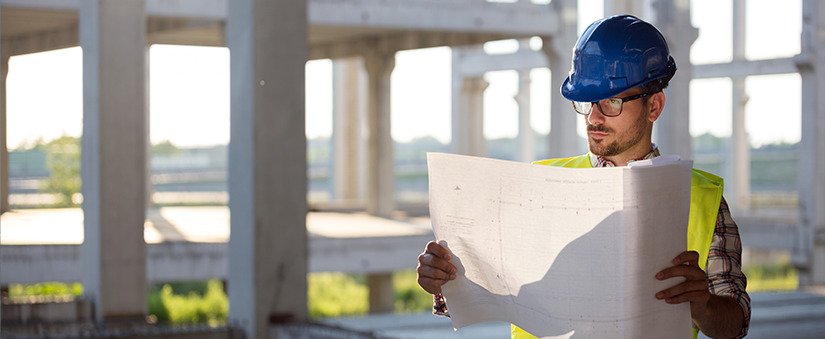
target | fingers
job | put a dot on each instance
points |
(689, 272)
(434, 269)
(438, 250)
(690, 258)
(431, 285)
(691, 290)
(700, 297)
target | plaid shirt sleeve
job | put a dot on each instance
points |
(724, 266)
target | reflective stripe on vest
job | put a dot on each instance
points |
(705, 197)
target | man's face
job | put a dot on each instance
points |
(610, 136)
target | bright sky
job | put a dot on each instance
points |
(189, 86)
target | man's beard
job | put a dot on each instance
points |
(633, 136)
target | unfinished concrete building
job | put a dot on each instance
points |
(269, 253)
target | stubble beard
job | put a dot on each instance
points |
(619, 146)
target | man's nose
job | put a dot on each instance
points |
(595, 117)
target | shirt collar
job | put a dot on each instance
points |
(598, 161)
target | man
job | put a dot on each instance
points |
(621, 64)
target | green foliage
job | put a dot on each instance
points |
(63, 163)
(330, 294)
(46, 289)
(193, 307)
(333, 294)
(771, 277)
(165, 147)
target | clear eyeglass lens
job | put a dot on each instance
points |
(611, 106)
(582, 107)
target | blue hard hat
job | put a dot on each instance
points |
(616, 54)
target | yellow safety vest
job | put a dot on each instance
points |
(705, 197)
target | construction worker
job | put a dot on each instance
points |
(621, 64)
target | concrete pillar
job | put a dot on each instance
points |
(115, 129)
(467, 105)
(526, 137)
(268, 245)
(632, 7)
(468, 121)
(380, 164)
(809, 251)
(564, 140)
(672, 131)
(737, 176)
(737, 183)
(349, 84)
(382, 293)
(4, 150)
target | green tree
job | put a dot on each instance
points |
(63, 163)
(165, 147)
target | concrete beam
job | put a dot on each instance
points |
(70, 5)
(454, 15)
(190, 261)
(436, 15)
(355, 46)
(64, 37)
(476, 64)
(742, 68)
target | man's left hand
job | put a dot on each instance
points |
(693, 290)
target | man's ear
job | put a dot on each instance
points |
(655, 105)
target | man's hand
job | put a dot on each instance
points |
(693, 290)
(716, 316)
(434, 268)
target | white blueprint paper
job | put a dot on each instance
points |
(562, 252)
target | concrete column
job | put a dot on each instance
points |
(564, 140)
(737, 176)
(268, 246)
(809, 251)
(737, 183)
(380, 164)
(468, 122)
(4, 150)
(672, 131)
(467, 105)
(526, 137)
(348, 116)
(382, 293)
(632, 7)
(113, 167)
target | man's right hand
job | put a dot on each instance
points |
(434, 268)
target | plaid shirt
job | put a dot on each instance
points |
(724, 266)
